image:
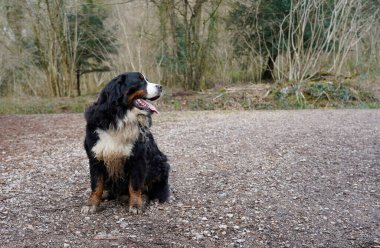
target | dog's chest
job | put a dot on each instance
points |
(115, 145)
(115, 142)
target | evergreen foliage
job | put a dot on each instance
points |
(94, 41)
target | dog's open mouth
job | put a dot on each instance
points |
(145, 105)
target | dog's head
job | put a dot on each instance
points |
(131, 90)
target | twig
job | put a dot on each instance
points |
(220, 95)
(108, 237)
(15, 191)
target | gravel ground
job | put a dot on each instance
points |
(239, 179)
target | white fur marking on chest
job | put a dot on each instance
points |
(116, 144)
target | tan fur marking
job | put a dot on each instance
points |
(115, 165)
(96, 196)
(137, 94)
(135, 198)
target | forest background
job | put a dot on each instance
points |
(56, 55)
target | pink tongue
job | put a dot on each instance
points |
(148, 105)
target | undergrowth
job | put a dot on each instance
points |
(309, 95)
(323, 94)
(289, 95)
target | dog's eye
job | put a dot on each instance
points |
(141, 77)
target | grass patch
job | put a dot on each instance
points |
(37, 105)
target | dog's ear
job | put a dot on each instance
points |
(116, 95)
(112, 93)
(102, 98)
(125, 96)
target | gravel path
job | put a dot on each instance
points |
(239, 179)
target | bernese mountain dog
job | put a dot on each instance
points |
(124, 159)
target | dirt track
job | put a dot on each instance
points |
(250, 179)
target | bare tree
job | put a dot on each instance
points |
(188, 34)
(333, 33)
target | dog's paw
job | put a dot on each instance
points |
(88, 209)
(136, 203)
(135, 210)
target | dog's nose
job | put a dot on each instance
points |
(159, 87)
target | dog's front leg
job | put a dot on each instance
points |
(135, 186)
(97, 186)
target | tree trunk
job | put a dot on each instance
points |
(193, 44)
(78, 82)
(174, 41)
(267, 74)
(196, 48)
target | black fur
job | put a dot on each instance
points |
(146, 169)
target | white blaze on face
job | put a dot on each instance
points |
(152, 89)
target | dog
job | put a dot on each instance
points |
(124, 159)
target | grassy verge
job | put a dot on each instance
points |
(287, 95)
(37, 105)
(308, 95)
